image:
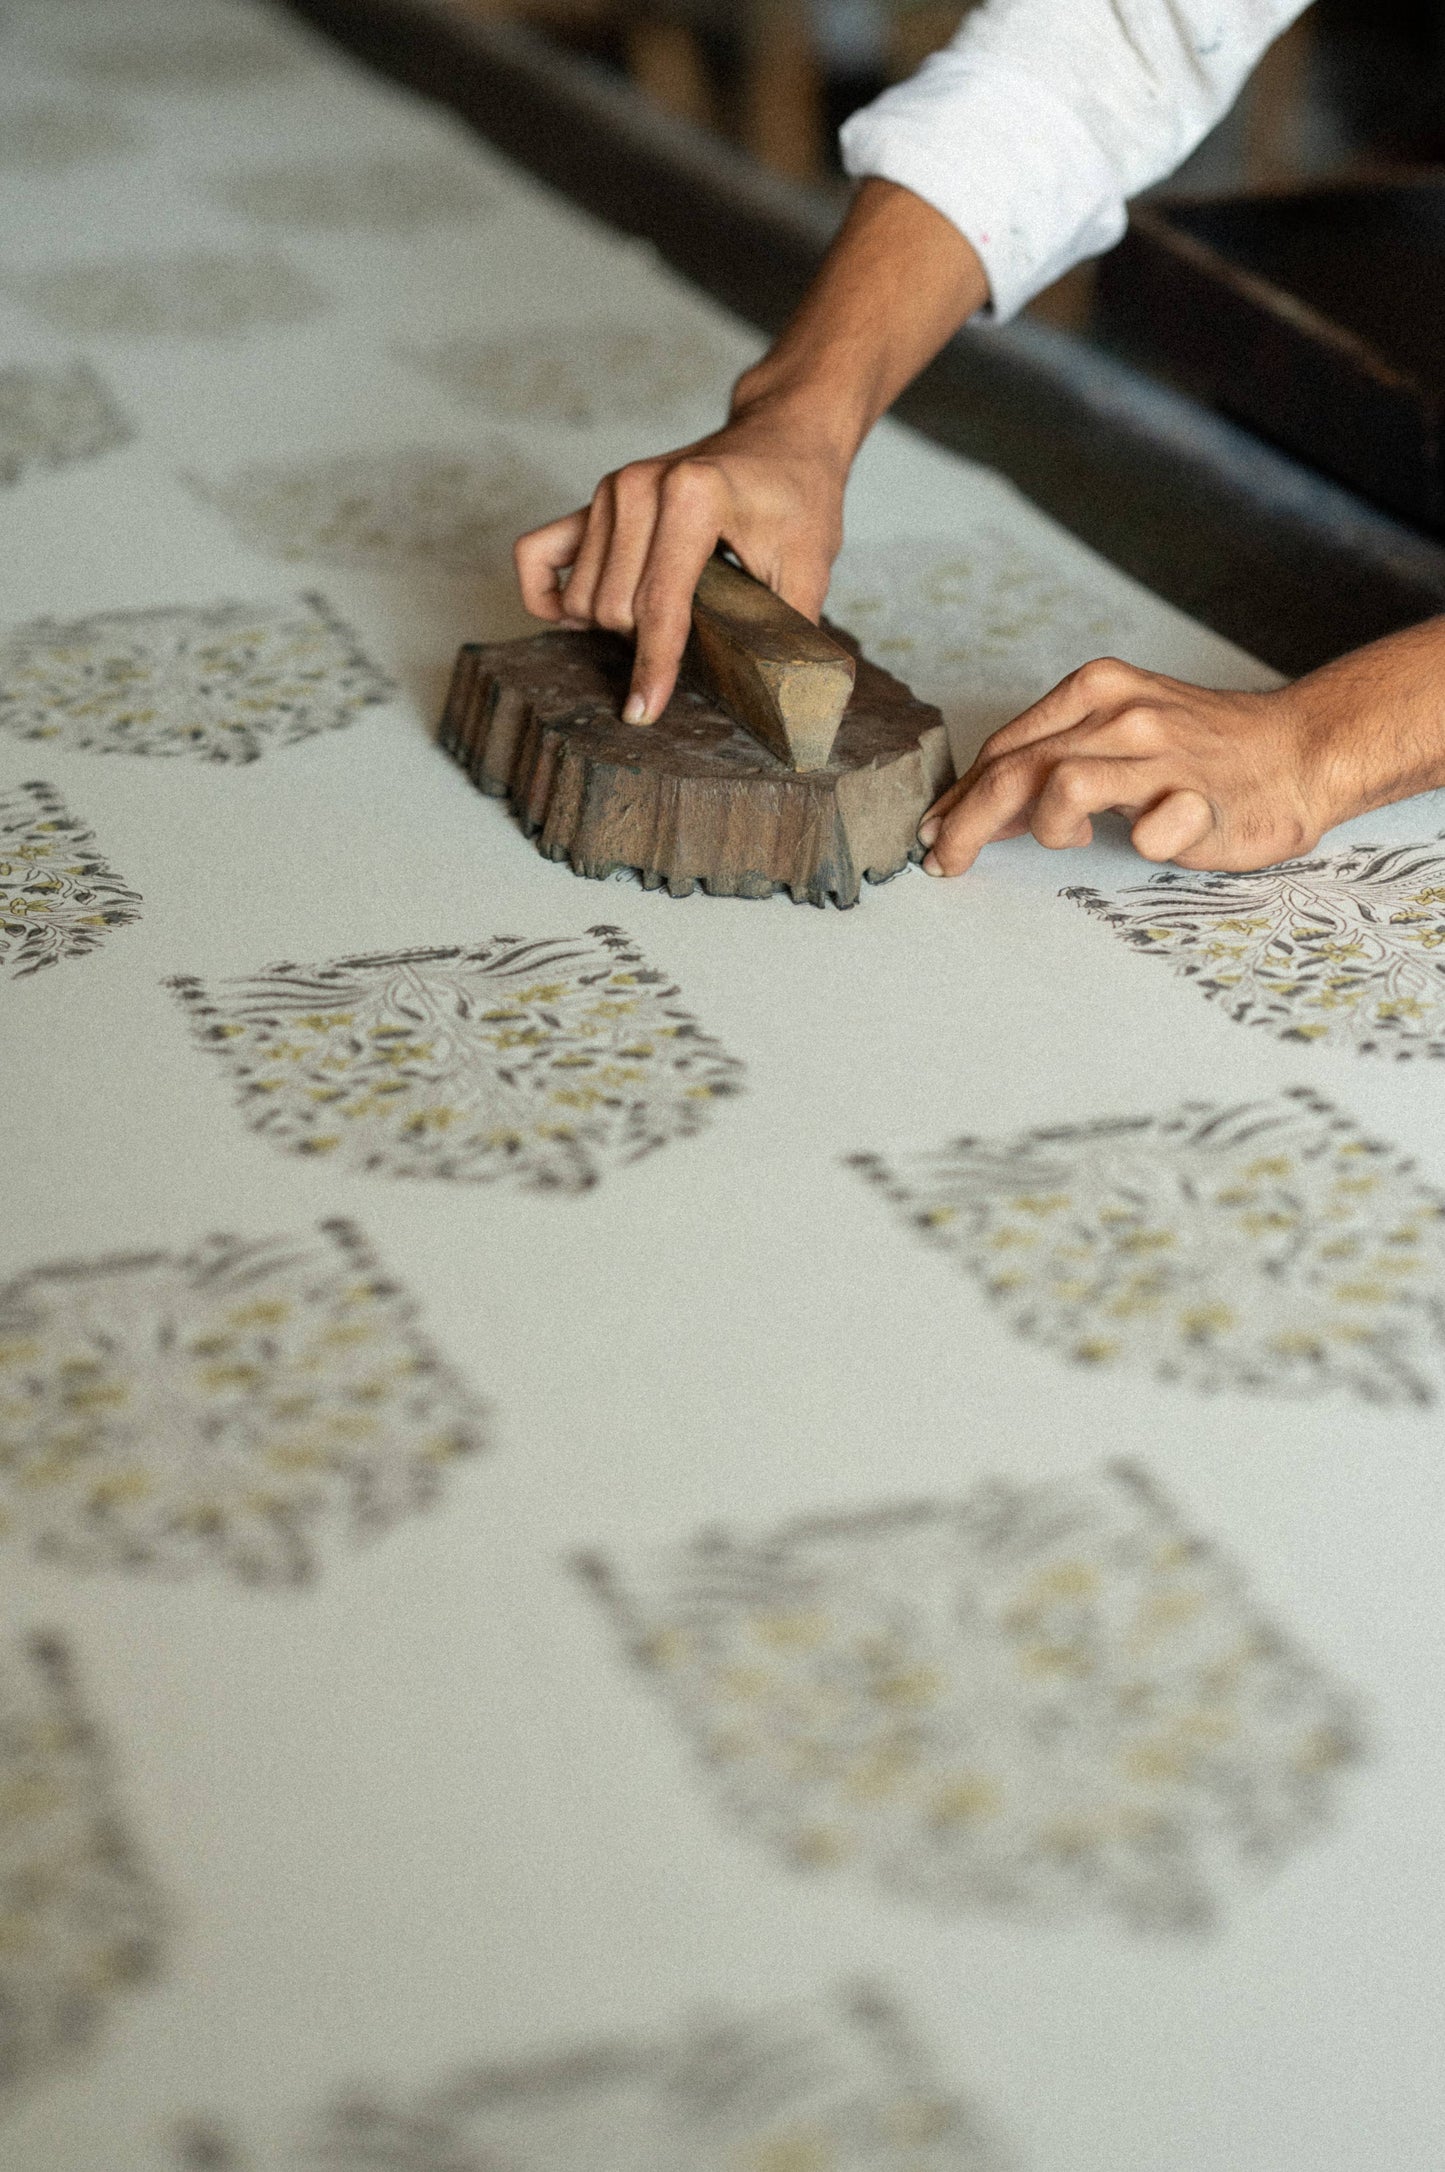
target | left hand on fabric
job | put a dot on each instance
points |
(1228, 781)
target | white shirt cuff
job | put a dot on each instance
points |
(1009, 163)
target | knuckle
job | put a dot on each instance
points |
(614, 614)
(689, 483)
(635, 484)
(1104, 678)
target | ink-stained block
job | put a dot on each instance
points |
(1268, 1246)
(45, 136)
(459, 510)
(834, 2084)
(1050, 1699)
(227, 1408)
(984, 625)
(58, 896)
(200, 294)
(199, 63)
(50, 418)
(221, 682)
(80, 1921)
(577, 373)
(546, 1063)
(1347, 949)
(360, 195)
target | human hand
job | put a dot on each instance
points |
(1228, 781)
(630, 560)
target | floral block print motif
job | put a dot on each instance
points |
(1348, 948)
(51, 417)
(221, 1408)
(1048, 1699)
(1267, 1246)
(381, 509)
(832, 2085)
(79, 1919)
(987, 625)
(541, 376)
(57, 895)
(378, 195)
(545, 1062)
(223, 682)
(205, 294)
(48, 138)
(197, 63)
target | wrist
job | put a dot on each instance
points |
(813, 415)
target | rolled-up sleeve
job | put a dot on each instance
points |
(1034, 127)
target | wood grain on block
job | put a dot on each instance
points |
(694, 800)
(785, 678)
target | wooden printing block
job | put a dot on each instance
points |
(695, 798)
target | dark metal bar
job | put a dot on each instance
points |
(1263, 549)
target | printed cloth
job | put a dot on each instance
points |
(641, 1533)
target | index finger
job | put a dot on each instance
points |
(684, 539)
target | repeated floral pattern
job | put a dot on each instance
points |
(49, 418)
(377, 195)
(1267, 1246)
(457, 510)
(558, 374)
(46, 137)
(202, 294)
(984, 626)
(58, 897)
(834, 2085)
(222, 682)
(79, 1918)
(544, 1062)
(219, 1408)
(1048, 1698)
(1347, 949)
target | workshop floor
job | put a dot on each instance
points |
(848, 1574)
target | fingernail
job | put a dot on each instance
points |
(928, 830)
(573, 625)
(930, 864)
(636, 710)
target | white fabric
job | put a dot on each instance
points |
(1034, 127)
(438, 1810)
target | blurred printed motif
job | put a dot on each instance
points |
(545, 1062)
(57, 895)
(385, 508)
(1348, 948)
(1048, 1699)
(48, 138)
(983, 628)
(223, 1408)
(203, 294)
(1266, 1246)
(578, 375)
(362, 195)
(51, 417)
(223, 682)
(79, 1918)
(190, 62)
(833, 2085)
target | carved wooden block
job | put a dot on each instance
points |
(786, 678)
(694, 799)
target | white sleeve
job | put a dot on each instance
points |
(1035, 125)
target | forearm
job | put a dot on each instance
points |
(1374, 721)
(897, 282)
